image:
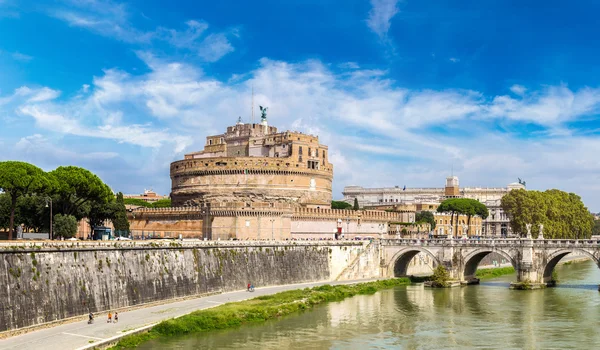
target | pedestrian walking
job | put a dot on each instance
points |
(116, 317)
(109, 317)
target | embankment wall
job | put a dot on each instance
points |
(46, 282)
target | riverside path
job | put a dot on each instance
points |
(80, 335)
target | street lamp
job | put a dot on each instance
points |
(48, 199)
(272, 230)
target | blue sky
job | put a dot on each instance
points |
(401, 91)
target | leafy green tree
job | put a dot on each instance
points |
(64, 226)
(463, 206)
(425, 217)
(18, 179)
(78, 187)
(162, 203)
(136, 201)
(355, 207)
(563, 214)
(4, 211)
(440, 277)
(595, 230)
(340, 205)
(120, 221)
(32, 212)
(99, 213)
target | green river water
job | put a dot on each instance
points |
(487, 316)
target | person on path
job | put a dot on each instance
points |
(116, 317)
(248, 287)
(109, 317)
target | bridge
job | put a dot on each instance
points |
(533, 259)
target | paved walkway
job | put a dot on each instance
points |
(80, 335)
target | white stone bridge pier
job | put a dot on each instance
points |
(533, 259)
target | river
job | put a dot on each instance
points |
(411, 317)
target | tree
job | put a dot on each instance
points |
(77, 187)
(425, 217)
(18, 179)
(162, 203)
(440, 277)
(595, 230)
(563, 214)
(100, 212)
(137, 202)
(4, 211)
(355, 207)
(340, 205)
(463, 206)
(32, 212)
(64, 226)
(120, 221)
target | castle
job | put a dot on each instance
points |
(254, 182)
(253, 163)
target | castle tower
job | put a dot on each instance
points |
(452, 190)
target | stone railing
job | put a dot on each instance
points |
(546, 243)
(26, 246)
(345, 214)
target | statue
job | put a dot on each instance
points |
(528, 226)
(263, 112)
(541, 235)
(522, 182)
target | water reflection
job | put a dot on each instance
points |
(485, 316)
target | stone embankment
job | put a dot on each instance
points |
(50, 281)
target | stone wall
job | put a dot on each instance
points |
(52, 281)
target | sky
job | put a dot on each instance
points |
(404, 93)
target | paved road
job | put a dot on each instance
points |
(79, 335)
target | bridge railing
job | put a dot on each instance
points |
(491, 242)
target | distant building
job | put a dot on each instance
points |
(428, 199)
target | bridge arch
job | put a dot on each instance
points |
(555, 257)
(472, 260)
(398, 266)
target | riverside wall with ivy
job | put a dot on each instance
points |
(51, 281)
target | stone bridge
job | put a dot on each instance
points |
(533, 259)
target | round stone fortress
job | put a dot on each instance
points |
(255, 164)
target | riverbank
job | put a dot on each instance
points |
(260, 309)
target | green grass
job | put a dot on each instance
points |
(260, 309)
(492, 273)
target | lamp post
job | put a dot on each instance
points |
(48, 199)
(272, 230)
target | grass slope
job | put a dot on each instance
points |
(256, 310)
(491, 273)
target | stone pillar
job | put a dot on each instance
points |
(528, 276)
(447, 260)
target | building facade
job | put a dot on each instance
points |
(254, 163)
(497, 223)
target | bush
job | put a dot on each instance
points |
(340, 205)
(64, 226)
(440, 277)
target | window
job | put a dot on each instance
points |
(317, 153)
(323, 154)
(210, 142)
(309, 152)
(300, 150)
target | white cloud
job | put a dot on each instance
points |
(40, 146)
(111, 19)
(186, 39)
(380, 16)
(392, 134)
(454, 60)
(133, 134)
(518, 89)
(214, 47)
(21, 57)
